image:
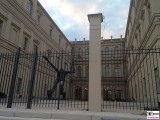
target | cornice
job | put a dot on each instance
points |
(99, 15)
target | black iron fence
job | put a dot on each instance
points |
(43, 79)
(131, 79)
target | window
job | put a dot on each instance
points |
(107, 71)
(106, 53)
(66, 46)
(133, 3)
(149, 12)
(25, 44)
(36, 44)
(139, 33)
(86, 71)
(35, 47)
(39, 18)
(143, 22)
(49, 53)
(86, 52)
(80, 52)
(19, 85)
(78, 92)
(60, 37)
(14, 34)
(87, 49)
(29, 7)
(50, 33)
(136, 40)
(116, 52)
(118, 95)
(157, 79)
(1, 26)
(117, 71)
(79, 71)
(109, 95)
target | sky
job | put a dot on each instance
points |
(71, 16)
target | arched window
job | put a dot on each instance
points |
(29, 6)
(117, 71)
(107, 94)
(106, 53)
(118, 94)
(107, 71)
(79, 73)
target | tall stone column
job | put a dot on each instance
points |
(95, 62)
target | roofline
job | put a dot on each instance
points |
(129, 14)
(53, 21)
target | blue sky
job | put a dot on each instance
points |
(71, 16)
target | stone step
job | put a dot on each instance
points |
(26, 115)
(115, 118)
(41, 114)
(20, 118)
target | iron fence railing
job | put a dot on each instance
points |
(130, 79)
(41, 79)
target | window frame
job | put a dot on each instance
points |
(117, 70)
(107, 71)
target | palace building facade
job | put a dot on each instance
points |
(125, 67)
(26, 24)
(143, 36)
(113, 69)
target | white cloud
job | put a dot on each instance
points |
(71, 16)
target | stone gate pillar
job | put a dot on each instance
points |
(95, 62)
